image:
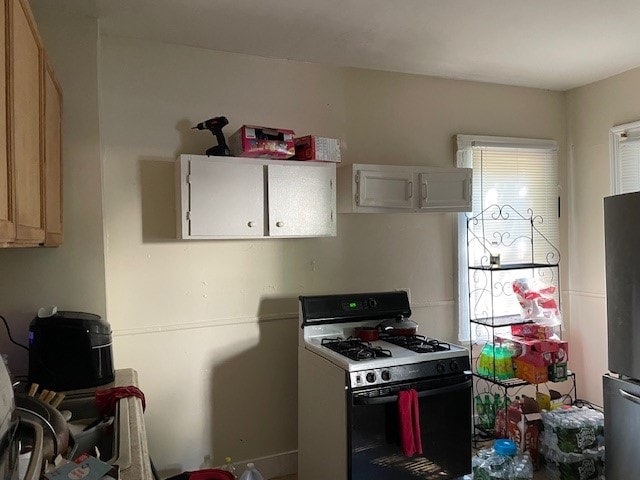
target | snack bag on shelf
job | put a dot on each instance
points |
(537, 302)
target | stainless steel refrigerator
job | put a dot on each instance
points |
(622, 385)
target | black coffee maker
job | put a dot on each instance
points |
(70, 351)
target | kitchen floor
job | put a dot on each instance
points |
(537, 476)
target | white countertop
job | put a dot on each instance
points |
(140, 467)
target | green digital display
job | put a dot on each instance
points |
(353, 305)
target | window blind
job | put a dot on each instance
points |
(518, 177)
(524, 178)
(629, 159)
(624, 147)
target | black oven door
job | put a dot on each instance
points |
(445, 425)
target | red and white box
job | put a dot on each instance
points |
(322, 149)
(533, 330)
(538, 352)
(263, 142)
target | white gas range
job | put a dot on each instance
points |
(348, 390)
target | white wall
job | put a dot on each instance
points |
(211, 326)
(71, 276)
(591, 111)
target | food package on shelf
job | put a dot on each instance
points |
(551, 400)
(537, 302)
(536, 331)
(537, 352)
(495, 361)
(558, 372)
(530, 372)
(263, 142)
(313, 147)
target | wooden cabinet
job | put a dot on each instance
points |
(365, 188)
(25, 86)
(30, 135)
(7, 212)
(52, 158)
(227, 197)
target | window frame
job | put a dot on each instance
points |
(616, 133)
(464, 159)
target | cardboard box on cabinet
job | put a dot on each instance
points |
(313, 147)
(262, 142)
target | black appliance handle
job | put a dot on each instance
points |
(423, 393)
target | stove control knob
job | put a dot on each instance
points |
(440, 367)
(372, 303)
(453, 366)
(386, 375)
(371, 377)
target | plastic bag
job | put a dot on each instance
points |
(537, 302)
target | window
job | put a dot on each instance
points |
(624, 142)
(515, 178)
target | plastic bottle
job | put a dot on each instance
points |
(486, 361)
(526, 467)
(478, 460)
(489, 419)
(500, 465)
(230, 467)
(251, 473)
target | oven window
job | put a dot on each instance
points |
(445, 421)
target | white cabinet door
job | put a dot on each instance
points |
(450, 190)
(225, 199)
(384, 189)
(301, 200)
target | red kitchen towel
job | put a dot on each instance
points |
(106, 399)
(409, 419)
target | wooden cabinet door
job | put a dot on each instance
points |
(7, 225)
(446, 191)
(226, 199)
(25, 79)
(52, 158)
(302, 200)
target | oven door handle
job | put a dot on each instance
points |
(423, 393)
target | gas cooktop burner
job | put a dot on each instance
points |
(355, 349)
(417, 343)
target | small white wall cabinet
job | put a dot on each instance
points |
(228, 197)
(365, 188)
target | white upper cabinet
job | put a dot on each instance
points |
(225, 200)
(227, 197)
(450, 190)
(365, 188)
(384, 189)
(302, 201)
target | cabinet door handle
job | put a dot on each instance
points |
(424, 191)
(279, 224)
(251, 224)
(409, 190)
